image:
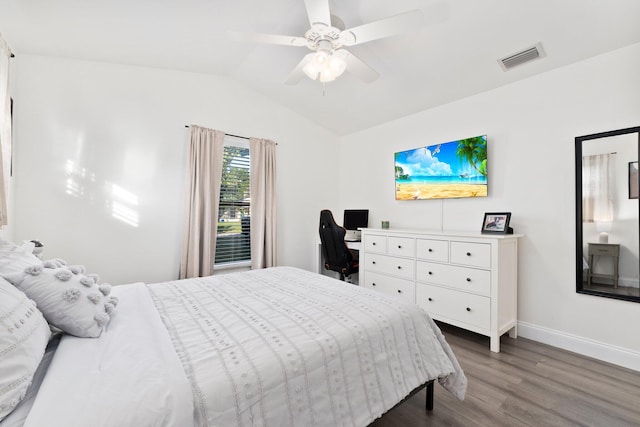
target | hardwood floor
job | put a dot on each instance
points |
(620, 290)
(526, 384)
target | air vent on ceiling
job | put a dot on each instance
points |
(529, 54)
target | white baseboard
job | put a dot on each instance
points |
(587, 347)
(629, 282)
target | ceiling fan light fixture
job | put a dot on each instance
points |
(326, 76)
(320, 58)
(337, 65)
(325, 66)
(312, 69)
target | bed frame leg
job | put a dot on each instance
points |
(429, 402)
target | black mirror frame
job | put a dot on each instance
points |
(579, 241)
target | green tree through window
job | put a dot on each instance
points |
(232, 241)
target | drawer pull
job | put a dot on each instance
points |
(430, 299)
(373, 262)
(430, 250)
(399, 291)
(468, 309)
(373, 284)
(468, 279)
(468, 253)
(430, 273)
(399, 246)
(399, 267)
(374, 243)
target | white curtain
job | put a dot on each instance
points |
(597, 201)
(5, 129)
(263, 203)
(204, 169)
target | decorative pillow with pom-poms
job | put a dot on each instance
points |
(70, 300)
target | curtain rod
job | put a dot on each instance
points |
(229, 134)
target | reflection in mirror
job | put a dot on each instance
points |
(607, 214)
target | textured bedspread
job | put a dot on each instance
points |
(285, 347)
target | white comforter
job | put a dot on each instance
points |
(285, 347)
(274, 347)
(130, 376)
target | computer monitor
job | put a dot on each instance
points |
(355, 218)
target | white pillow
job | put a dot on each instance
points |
(24, 334)
(70, 301)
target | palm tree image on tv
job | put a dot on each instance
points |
(474, 151)
(450, 170)
(400, 173)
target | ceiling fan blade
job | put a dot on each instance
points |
(356, 67)
(269, 38)
(382, 28)
(318, 12)
(297, 74)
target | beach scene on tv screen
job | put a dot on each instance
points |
(450, 170)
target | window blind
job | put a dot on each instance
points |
(232, 240)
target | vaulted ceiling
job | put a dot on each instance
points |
(451, 56)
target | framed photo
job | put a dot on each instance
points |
(496, 222)
(633, 180)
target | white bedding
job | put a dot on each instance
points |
(285, 347)
(130, 376)
(19, 415)
(276, 347)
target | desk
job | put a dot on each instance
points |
(355, 246)
(604, 249)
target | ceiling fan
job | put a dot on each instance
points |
(327, 39)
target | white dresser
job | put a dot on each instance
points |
(469, 280)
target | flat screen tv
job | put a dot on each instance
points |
(453, 169)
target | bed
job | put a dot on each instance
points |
(278, 346)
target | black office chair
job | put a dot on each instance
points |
(337, 256)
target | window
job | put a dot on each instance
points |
(597, 201)
(232, 240)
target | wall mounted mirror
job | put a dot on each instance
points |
(607, 207)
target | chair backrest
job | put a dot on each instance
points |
(337, 256)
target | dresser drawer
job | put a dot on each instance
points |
(401, 246)
(460, 306)
(402, 288)
(466, 279)
(432, 250)
(375, 243)
(400, 267)
(471, 254)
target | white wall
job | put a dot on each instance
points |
(82, 127)
(531, 126)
